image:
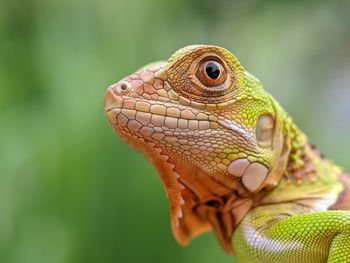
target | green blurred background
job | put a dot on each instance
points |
(70, 191)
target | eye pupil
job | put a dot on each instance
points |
(212, 70)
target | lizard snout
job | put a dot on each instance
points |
(114, 93)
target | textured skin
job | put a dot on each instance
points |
(232, 160)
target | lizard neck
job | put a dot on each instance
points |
(307, 177)
(305, 161)
(310, 180)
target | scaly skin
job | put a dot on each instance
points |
(232, 160)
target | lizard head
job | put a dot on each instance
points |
(215, 136)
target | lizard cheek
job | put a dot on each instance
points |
(265, 130)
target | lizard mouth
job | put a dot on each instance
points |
(151, 118)
(160, 120)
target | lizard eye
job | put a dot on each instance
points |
(211, 73)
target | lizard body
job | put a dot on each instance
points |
(232, 160)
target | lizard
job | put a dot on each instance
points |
(232, 160)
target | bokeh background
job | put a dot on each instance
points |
(70, 190)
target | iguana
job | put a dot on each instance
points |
(232, 160)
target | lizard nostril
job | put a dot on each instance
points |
(123, 87)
